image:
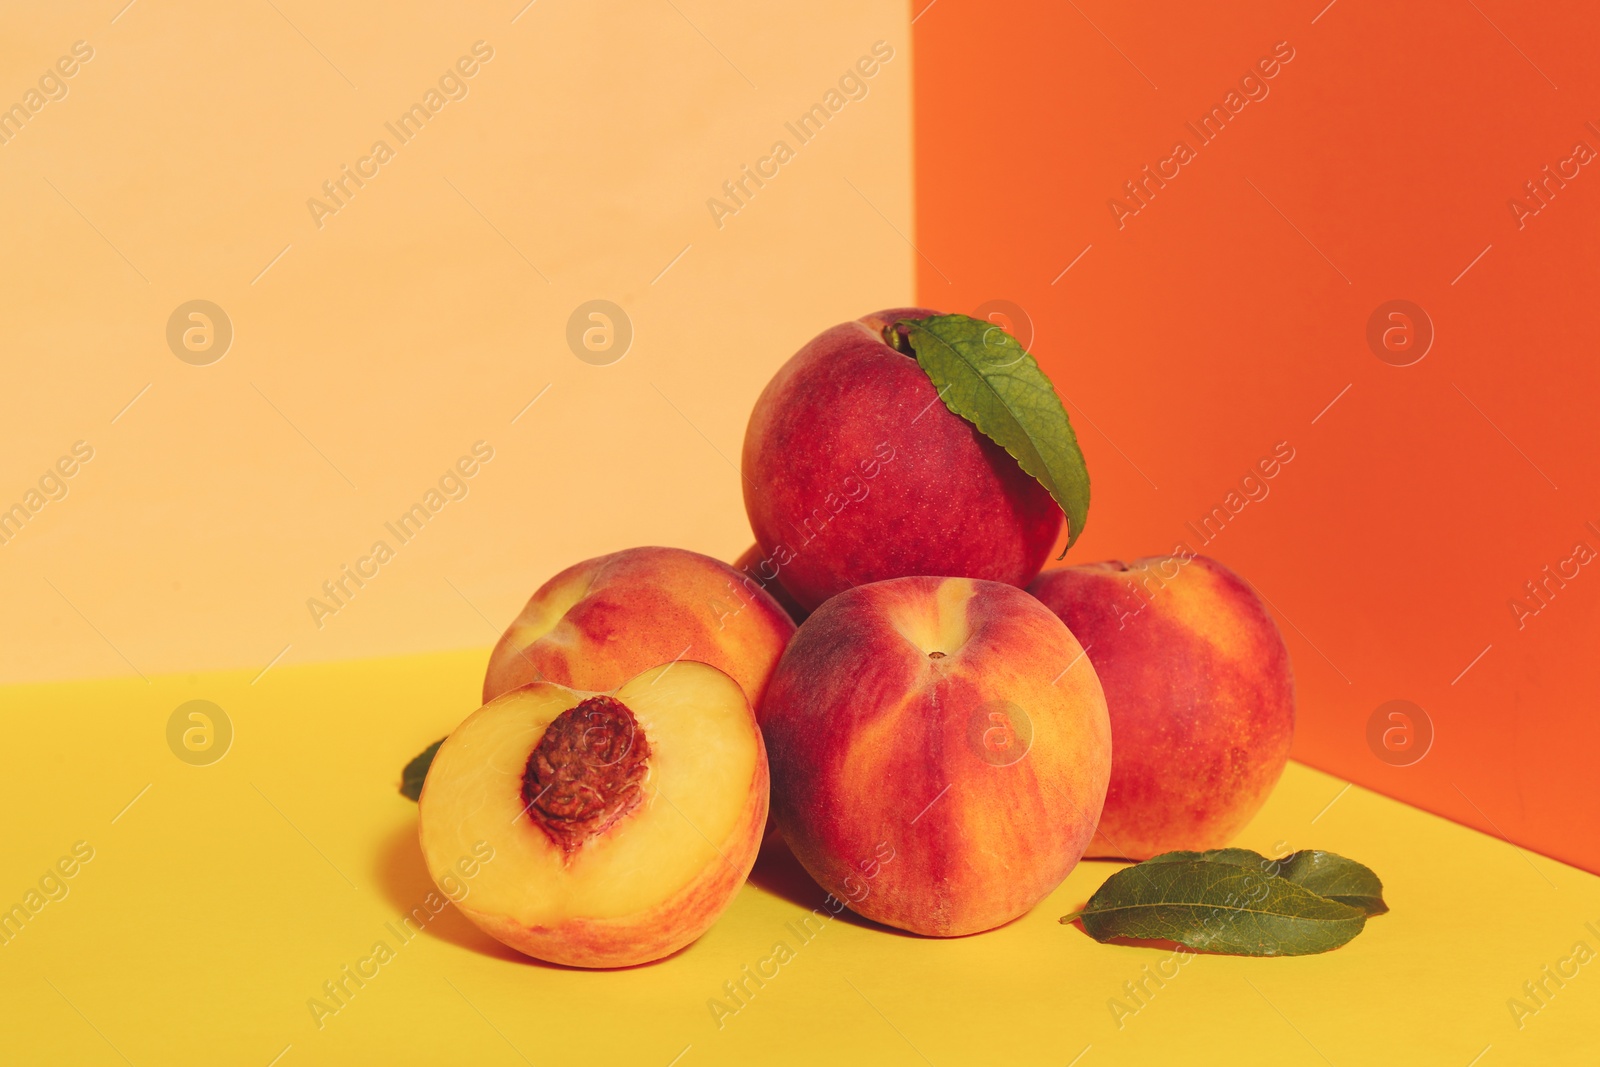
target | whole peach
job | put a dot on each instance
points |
(1201, 695)
(855, 471)
(939, 751)
(753, 564)
(600, 622)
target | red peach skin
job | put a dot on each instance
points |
(939, 751)
(1200, 691)
(605, 620)
(855, 472)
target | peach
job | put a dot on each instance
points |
(855, 471)
(940, 751)
(1200, 691)
(600, 622)
(621, 824)
(752, 563)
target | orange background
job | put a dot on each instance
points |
(1231, 310)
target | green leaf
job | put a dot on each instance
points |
(1233, 900)
(416, 771)
(1326, 874)
(1330, 875)
(987, 378)
(1239, 857)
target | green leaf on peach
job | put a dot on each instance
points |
(985, 376)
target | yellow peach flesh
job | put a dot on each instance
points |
(705, 758)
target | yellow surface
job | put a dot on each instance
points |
(219, 903)
(372, 351)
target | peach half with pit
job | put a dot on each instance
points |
(600, 622)
(622, 823)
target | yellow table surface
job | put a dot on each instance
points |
(221, 899)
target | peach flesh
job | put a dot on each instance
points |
(632, 873)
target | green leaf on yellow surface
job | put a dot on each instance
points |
(1237, 901)
(1330, 875)
(416, 772)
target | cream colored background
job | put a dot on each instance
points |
(414, 323)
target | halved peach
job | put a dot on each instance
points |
(622, 823)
